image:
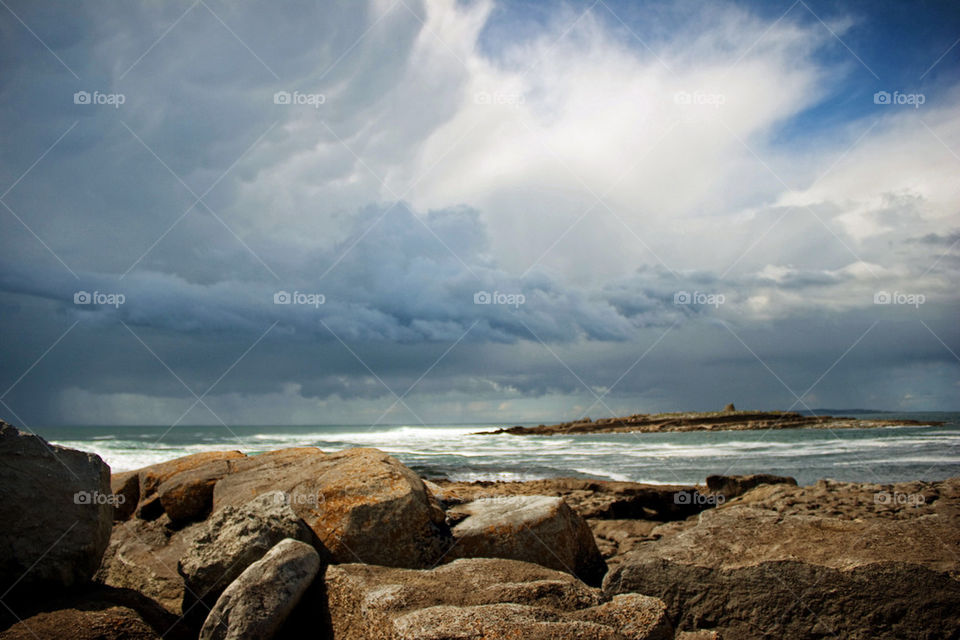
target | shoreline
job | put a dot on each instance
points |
(707, 421)
(356, 545)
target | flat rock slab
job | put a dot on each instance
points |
(539, 529)
(56, 511)
(762, 564)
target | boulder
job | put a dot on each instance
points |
(733, 486)
(126, 486)
(762, 565)
(143, 555)
(363, 505)
(258, 602)
(221, 548)
(481, 599)
(543, 530)
(188, 495)
(271, 471)
(143, 492)
(56, 508)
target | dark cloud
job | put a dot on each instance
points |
(200, 198)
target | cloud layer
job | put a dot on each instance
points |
(634, 195)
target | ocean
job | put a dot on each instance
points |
(881, 455)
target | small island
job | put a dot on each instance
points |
(727, 420)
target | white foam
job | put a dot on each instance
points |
(604, 474)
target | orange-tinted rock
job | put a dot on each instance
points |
(141, 497)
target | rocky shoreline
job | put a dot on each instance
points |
(731, 420)
(354, 545)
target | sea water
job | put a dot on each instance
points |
(880, 455)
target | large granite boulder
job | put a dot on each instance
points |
(763, 566)
(363, 505)
(271, 471)
(56, 508)
(539, 529)
(190, 497)
(258, 602)
(482, 599)
(221, 548)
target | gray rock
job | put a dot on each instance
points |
(57, 510)
(538, 529)
(233, 538)
(258, 602)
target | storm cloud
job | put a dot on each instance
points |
(452, 211)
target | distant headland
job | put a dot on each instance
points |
(727, 420)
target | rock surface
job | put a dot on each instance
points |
(539, 529)
(221, 548)
(112, 623)
(56, 511)
(271, 471)
(600, 499)
(258, 602)
(143, 555)
(762, 565)
(362, 504)
(488, 599)
(733, 486)
(140, 487)
(93, 612)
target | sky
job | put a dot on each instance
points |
(402, 212)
